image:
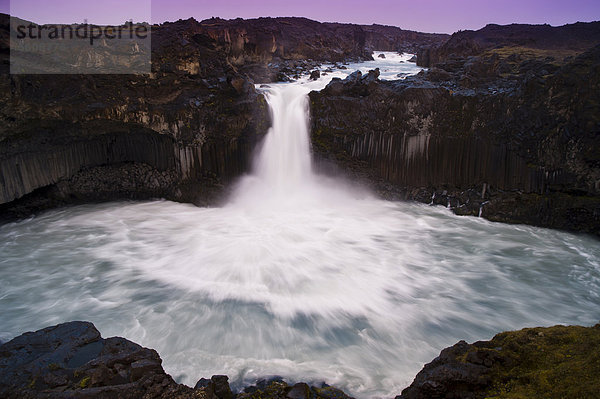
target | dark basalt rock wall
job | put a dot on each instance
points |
(391, 38)
(520, 149)
(260, 47)
(181, 133)
(263, 39)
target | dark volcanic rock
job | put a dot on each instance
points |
(253, 42)
(391, 38)
(449, 375)
(314, 75)
(372, 76)
(520, 149)
(276, 388)
(181, 133)
(71, 360)
(299, 391)
(555, 362)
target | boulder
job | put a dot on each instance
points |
(354, 77)
(372, 76)
(299, 391)
(72, 360)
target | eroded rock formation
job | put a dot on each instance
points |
(515, 140)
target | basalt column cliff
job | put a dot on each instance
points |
(183, 132)
(510, 133)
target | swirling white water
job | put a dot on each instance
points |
(297, 275)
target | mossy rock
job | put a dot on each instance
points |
(556, 362)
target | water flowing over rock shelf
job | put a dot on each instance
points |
(517, 121)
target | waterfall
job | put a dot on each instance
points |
(282, 175)
(284, 161)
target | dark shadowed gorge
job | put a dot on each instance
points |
(181, 133)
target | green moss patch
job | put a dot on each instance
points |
(85, 382)
(555, 362)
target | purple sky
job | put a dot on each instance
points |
(423, 15)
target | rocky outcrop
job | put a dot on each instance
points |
(72, 360)
(520, 148)
(559, 41)
(182, 132)
(555, 362)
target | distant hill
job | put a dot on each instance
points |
(571, 39)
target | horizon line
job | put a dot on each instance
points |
(299, 17)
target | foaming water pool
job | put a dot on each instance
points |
(359, 293)
(298, 275)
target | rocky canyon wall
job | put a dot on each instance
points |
(182, 132)
(522, 148)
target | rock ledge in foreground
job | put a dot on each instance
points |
(554, 362)
(72, 360)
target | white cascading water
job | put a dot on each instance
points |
(284, 161)
(297, 276)
(282, 175)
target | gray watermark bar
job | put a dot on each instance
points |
(81, 48)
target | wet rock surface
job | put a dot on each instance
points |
(72, 360)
